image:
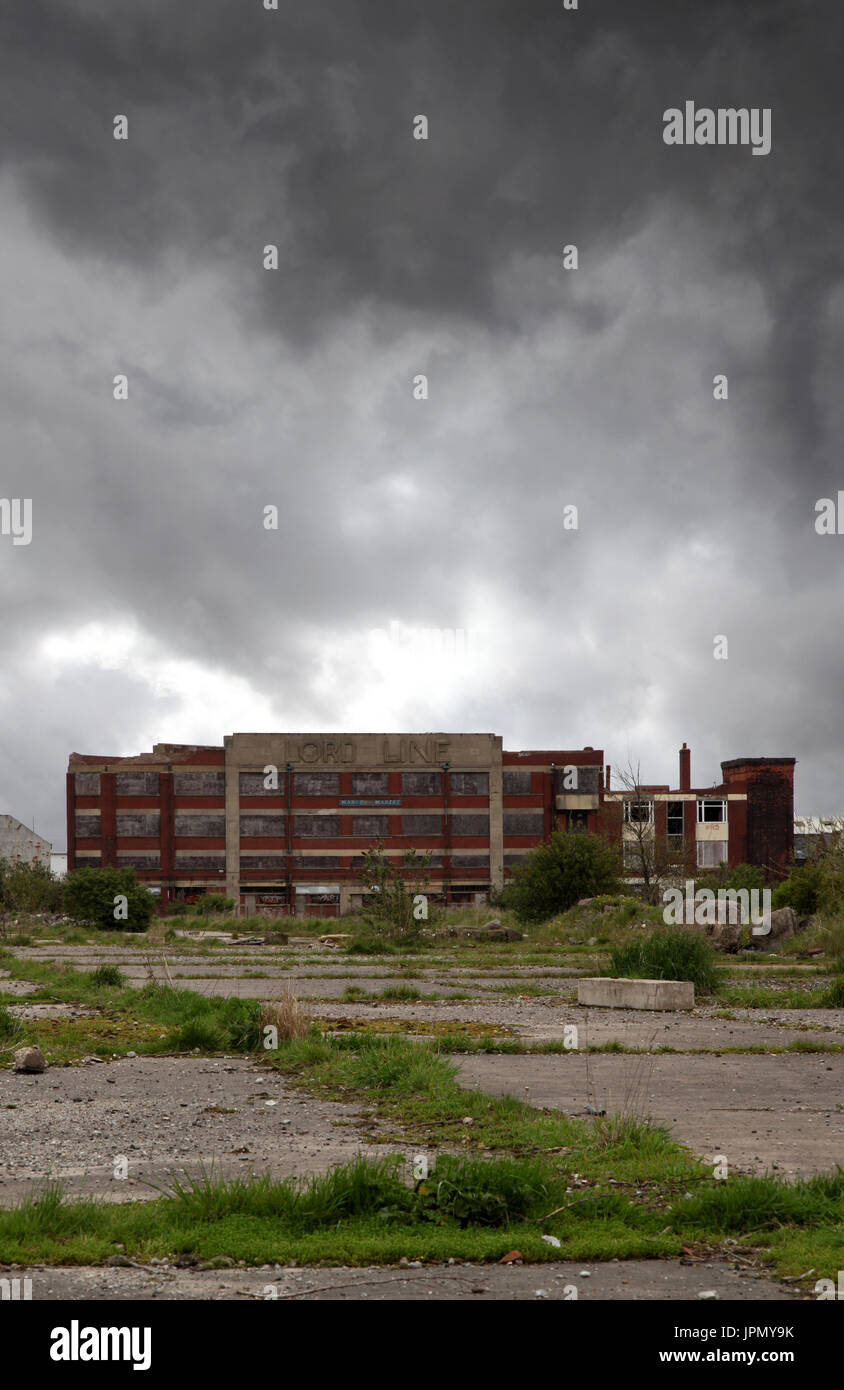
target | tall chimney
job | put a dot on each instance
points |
(685, 769)
(607, 778)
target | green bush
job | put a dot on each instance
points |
(90, 896)
(367, 944)
(29, 888)
(178, 908)
(483, 1192)
(748, 876)
(213, 1023)
(668, 955)
(401, 994)
(833, 997)
(215, 904)
(108, 975)
(800, 890)
(557, 873)
(9, 1025)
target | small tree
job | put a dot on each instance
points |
(28, 887)
(801, 890)
(112, 899)
(572, 864)
(398, 906)
(645, 853)
(828, 860)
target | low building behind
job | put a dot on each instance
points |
(19, 844)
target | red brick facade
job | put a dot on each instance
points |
(167, 813)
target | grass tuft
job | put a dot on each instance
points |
(673, 954)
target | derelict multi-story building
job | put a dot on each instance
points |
(281, 821)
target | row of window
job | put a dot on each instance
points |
(373, 827)
(516, 782)
(710, 853)
(187, 863)
(709, 810)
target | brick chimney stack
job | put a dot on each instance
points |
(685, 769)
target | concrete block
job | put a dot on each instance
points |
(636, 994)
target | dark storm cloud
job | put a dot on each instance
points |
(399, 256)
(545, 125)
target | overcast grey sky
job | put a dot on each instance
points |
(153, 605)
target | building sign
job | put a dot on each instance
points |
(368, 748)
(370, 801)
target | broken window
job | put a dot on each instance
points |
(316, 827)
(711, 853)
(711, 809)
(421, 784)
(638, 812)
(371, 783)
(254, 783)
(524, 823)
(199, 783)
(374, 827)
(675, 826)
(469, 783)
(136, 784)
(316, 784)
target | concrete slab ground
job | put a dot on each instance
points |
(783, 1110)
(165, 1115)
(636, 1280)
(538, 1020)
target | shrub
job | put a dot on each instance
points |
(368, 944)
(483, 1192)
(668, 955)
(90, 896)
(400, 994)
(748, 876)
(9, 1025)
(557, 873)
(211, 1023)
(108, 975)
(214, 904)
(29, 888)
(287, 1015)
(833, 997)
(800, 890)
(178, 908)
(398, 906)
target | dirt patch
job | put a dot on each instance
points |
(42, 1011)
